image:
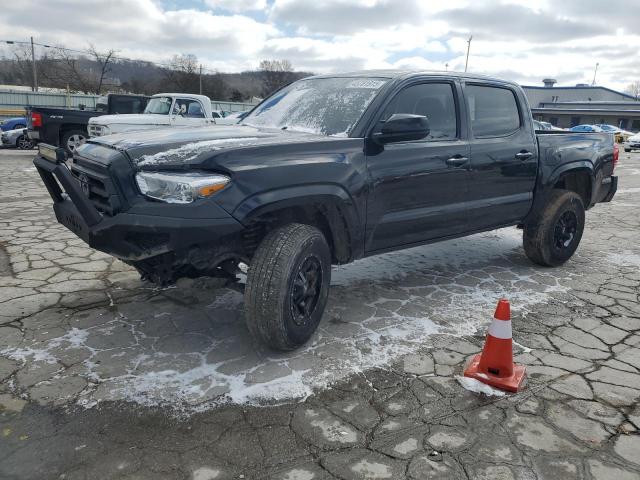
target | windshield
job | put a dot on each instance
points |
(326, 106)
(159, 106)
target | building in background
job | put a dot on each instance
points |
(583, 104)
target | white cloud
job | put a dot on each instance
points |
(237, 5)
(523, 40)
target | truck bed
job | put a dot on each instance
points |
(563, 150)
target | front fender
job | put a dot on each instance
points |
(341, 209)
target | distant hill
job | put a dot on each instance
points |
(81, 75)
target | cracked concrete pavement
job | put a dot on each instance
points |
(105, 377)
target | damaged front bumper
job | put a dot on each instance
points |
(162, 248)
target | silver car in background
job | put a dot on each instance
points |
(17, 138)
(632, 143)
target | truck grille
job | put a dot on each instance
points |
(95, 130)
(97, 185)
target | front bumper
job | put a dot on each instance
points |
(162, 247)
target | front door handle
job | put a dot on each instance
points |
(524, 155)
(456, 161)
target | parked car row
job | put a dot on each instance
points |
(115, 113)
(619, 134)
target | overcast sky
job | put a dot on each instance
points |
(522, 40)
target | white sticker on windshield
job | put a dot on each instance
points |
(365, 83)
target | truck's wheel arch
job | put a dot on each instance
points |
(328, 207)
(70, 126)
(578, 177)
(565, 177)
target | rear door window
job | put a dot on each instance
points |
(188, 108)
(493, 111)
(433, 100)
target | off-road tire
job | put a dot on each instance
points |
(539, 235)
(278, 261)
(66, 136)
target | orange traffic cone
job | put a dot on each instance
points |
(494, 366)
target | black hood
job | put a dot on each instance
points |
(181, 146)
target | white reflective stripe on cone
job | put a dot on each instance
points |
(500, 329)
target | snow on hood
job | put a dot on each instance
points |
(175, 145)
(190, 151)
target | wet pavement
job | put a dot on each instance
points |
(103, 376)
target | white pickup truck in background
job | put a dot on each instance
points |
(163, 110)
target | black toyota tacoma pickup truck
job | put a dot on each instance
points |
(328, 170)
(67, 127)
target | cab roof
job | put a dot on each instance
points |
(403, 74)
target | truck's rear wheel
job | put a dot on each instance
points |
(287, 286)
(72, 139)
(553, 235)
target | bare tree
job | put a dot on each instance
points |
(634, 89)
(65, 69)
(103, 60)
(182, 74)
(62, 69)
(215, 87)
(22, 71)
(275, 74)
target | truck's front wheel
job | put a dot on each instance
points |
(553, 235)
(287, 286)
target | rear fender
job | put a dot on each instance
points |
(548, 182)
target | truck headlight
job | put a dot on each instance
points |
(99, 130)
(179, 187)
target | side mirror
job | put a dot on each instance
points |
(402, 127)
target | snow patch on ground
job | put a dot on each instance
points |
(477, 386)
(191, 356)
(624, 258)
(622, 191)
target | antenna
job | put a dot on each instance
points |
(594, 75)
(466, 63)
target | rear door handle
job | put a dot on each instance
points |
(524, 155)
(456, 161)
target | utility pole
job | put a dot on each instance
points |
(466, 63)
(33, 64)
(200, 79)
(594, 75)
